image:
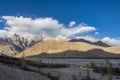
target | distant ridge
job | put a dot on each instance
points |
(97, 43)
(53, 47)
(16, 45)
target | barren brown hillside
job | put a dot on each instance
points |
(115, 49)
(7, 49)
(52, 47)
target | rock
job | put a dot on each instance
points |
(12, 73)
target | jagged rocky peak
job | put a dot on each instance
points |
(19, 42)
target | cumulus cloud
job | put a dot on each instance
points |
(89, 38)
(33, 26)
(77, 30)
(112, 41)
(46, 26)
(72, 23)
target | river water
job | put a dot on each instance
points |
(80, 62)
(76, 71)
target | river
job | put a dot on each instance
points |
(79, 62)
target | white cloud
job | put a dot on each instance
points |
(77, 30)
(4, 33)
(89, 38)
(112, 41)
(46, 26)
(96, 33)
(72, 23)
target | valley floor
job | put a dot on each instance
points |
(10, 69)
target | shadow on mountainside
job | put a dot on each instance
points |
(94, 53)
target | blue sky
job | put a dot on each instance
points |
(104, 15)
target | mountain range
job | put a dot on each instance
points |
(70, 49)
(11, 45)
(14, 44)
(45, 46)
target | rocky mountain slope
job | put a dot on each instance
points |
(7, 49)
(59, 47)
(19, 42)
(12, 45)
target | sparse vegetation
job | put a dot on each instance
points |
(40, 64)
(23, 62)
(93, 65)
(107, 69)
(87, 72)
